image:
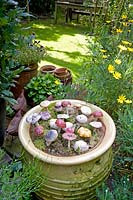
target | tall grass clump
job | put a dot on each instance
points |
(18, 181)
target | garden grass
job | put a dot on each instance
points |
(66, 45)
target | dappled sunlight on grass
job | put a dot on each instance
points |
(66, 45)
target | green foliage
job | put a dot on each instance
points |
(10, 17)
(75, 91)
(108, 76)
(119, 189)
(41, 87)
(18, 181)
(29, 51)
(125, 132)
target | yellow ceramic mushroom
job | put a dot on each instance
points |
(84, 132)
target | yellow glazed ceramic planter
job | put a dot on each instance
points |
(73, 177)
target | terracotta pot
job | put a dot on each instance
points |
(72, 177)
(47, 69)
(61, 71)
(23, 79)
(64, 75)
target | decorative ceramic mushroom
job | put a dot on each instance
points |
(95, 116)
(68, 125)
(66, 103)
(58, 106)
(33, 118)
(81, 119)
(81, 146)
(53, 124)
(45, 115)
(39, 130)
(85, 110)
(51, 136)
(62, 116)
(84, 132)
(69, 136)
(96, 124)
(60, 123)
(45, 104)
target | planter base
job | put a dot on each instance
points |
(76, 182)
(71, 177)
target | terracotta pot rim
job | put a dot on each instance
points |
(46, 68)
(62, 75)
(105, 144)
(61, 70)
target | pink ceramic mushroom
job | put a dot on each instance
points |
(66, 103)
(60, 123)
(97, 114)
(69, 136)
(39, 130)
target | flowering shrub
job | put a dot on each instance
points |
(109, 75)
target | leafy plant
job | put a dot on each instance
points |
(29, 51)
(18, 181)
(41, 87)
(10, 16)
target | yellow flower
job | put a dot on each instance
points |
(116, 75)
(124, 16)
(118, 30)
(125, 24)
(121, 99)
(104, 56)
(57, 82)
(108, 21)
(129, 31)
(122, 48)
(126, 42)
(111, 69)
(128, 101)
(130, 20)
(130, 49)
(103, 50)
(118, 61)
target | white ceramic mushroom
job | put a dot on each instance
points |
(81, 146)
(85, 110)
(81, 119)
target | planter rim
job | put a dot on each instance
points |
(105, 144)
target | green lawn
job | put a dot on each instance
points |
(66, 44)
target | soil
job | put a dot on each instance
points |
(60, 146)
